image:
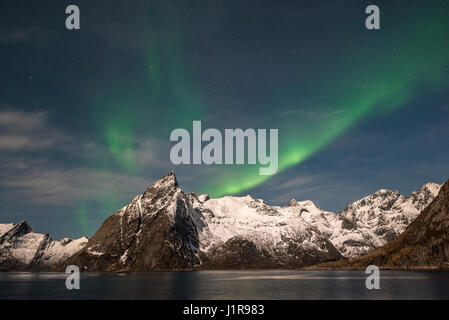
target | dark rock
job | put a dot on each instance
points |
(156, 231)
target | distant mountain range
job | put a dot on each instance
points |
(167, 229)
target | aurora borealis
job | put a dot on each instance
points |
(391, 78)
(351, 105)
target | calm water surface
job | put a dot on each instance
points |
(228, 285)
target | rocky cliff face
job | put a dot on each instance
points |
(156, 231)
(22, 249)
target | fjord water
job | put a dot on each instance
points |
(253, 285)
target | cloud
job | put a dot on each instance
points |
(22, 121)
(45, 181)
(21, 142)
(316, 114)
(41, 184)
(144, 152)
(42, 164)
(27, 131)
(295, 183)
(332, 113)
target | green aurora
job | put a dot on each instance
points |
(367, 81)
(381, 82)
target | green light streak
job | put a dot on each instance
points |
(378, 75)
(411, 62)
(146, 102)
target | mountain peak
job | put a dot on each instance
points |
(18, 230)
(170, 177)
(425, 194)
(431, 187)
(305, 203)
(155, 231)
(203, 197)
(383, 192)
(165, 183)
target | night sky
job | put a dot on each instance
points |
(86, 115)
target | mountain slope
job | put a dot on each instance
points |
(156, 231)
(5, 228)
(362, 227)
(244, 228)
(377, 219)
(424, 244)
(23, 249)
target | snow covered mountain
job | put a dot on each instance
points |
(278, 236)
(375, 220)
(363, 226)
(423, 245)
(22, 249)
(371, 222)
(157, 230)
(167, 229)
